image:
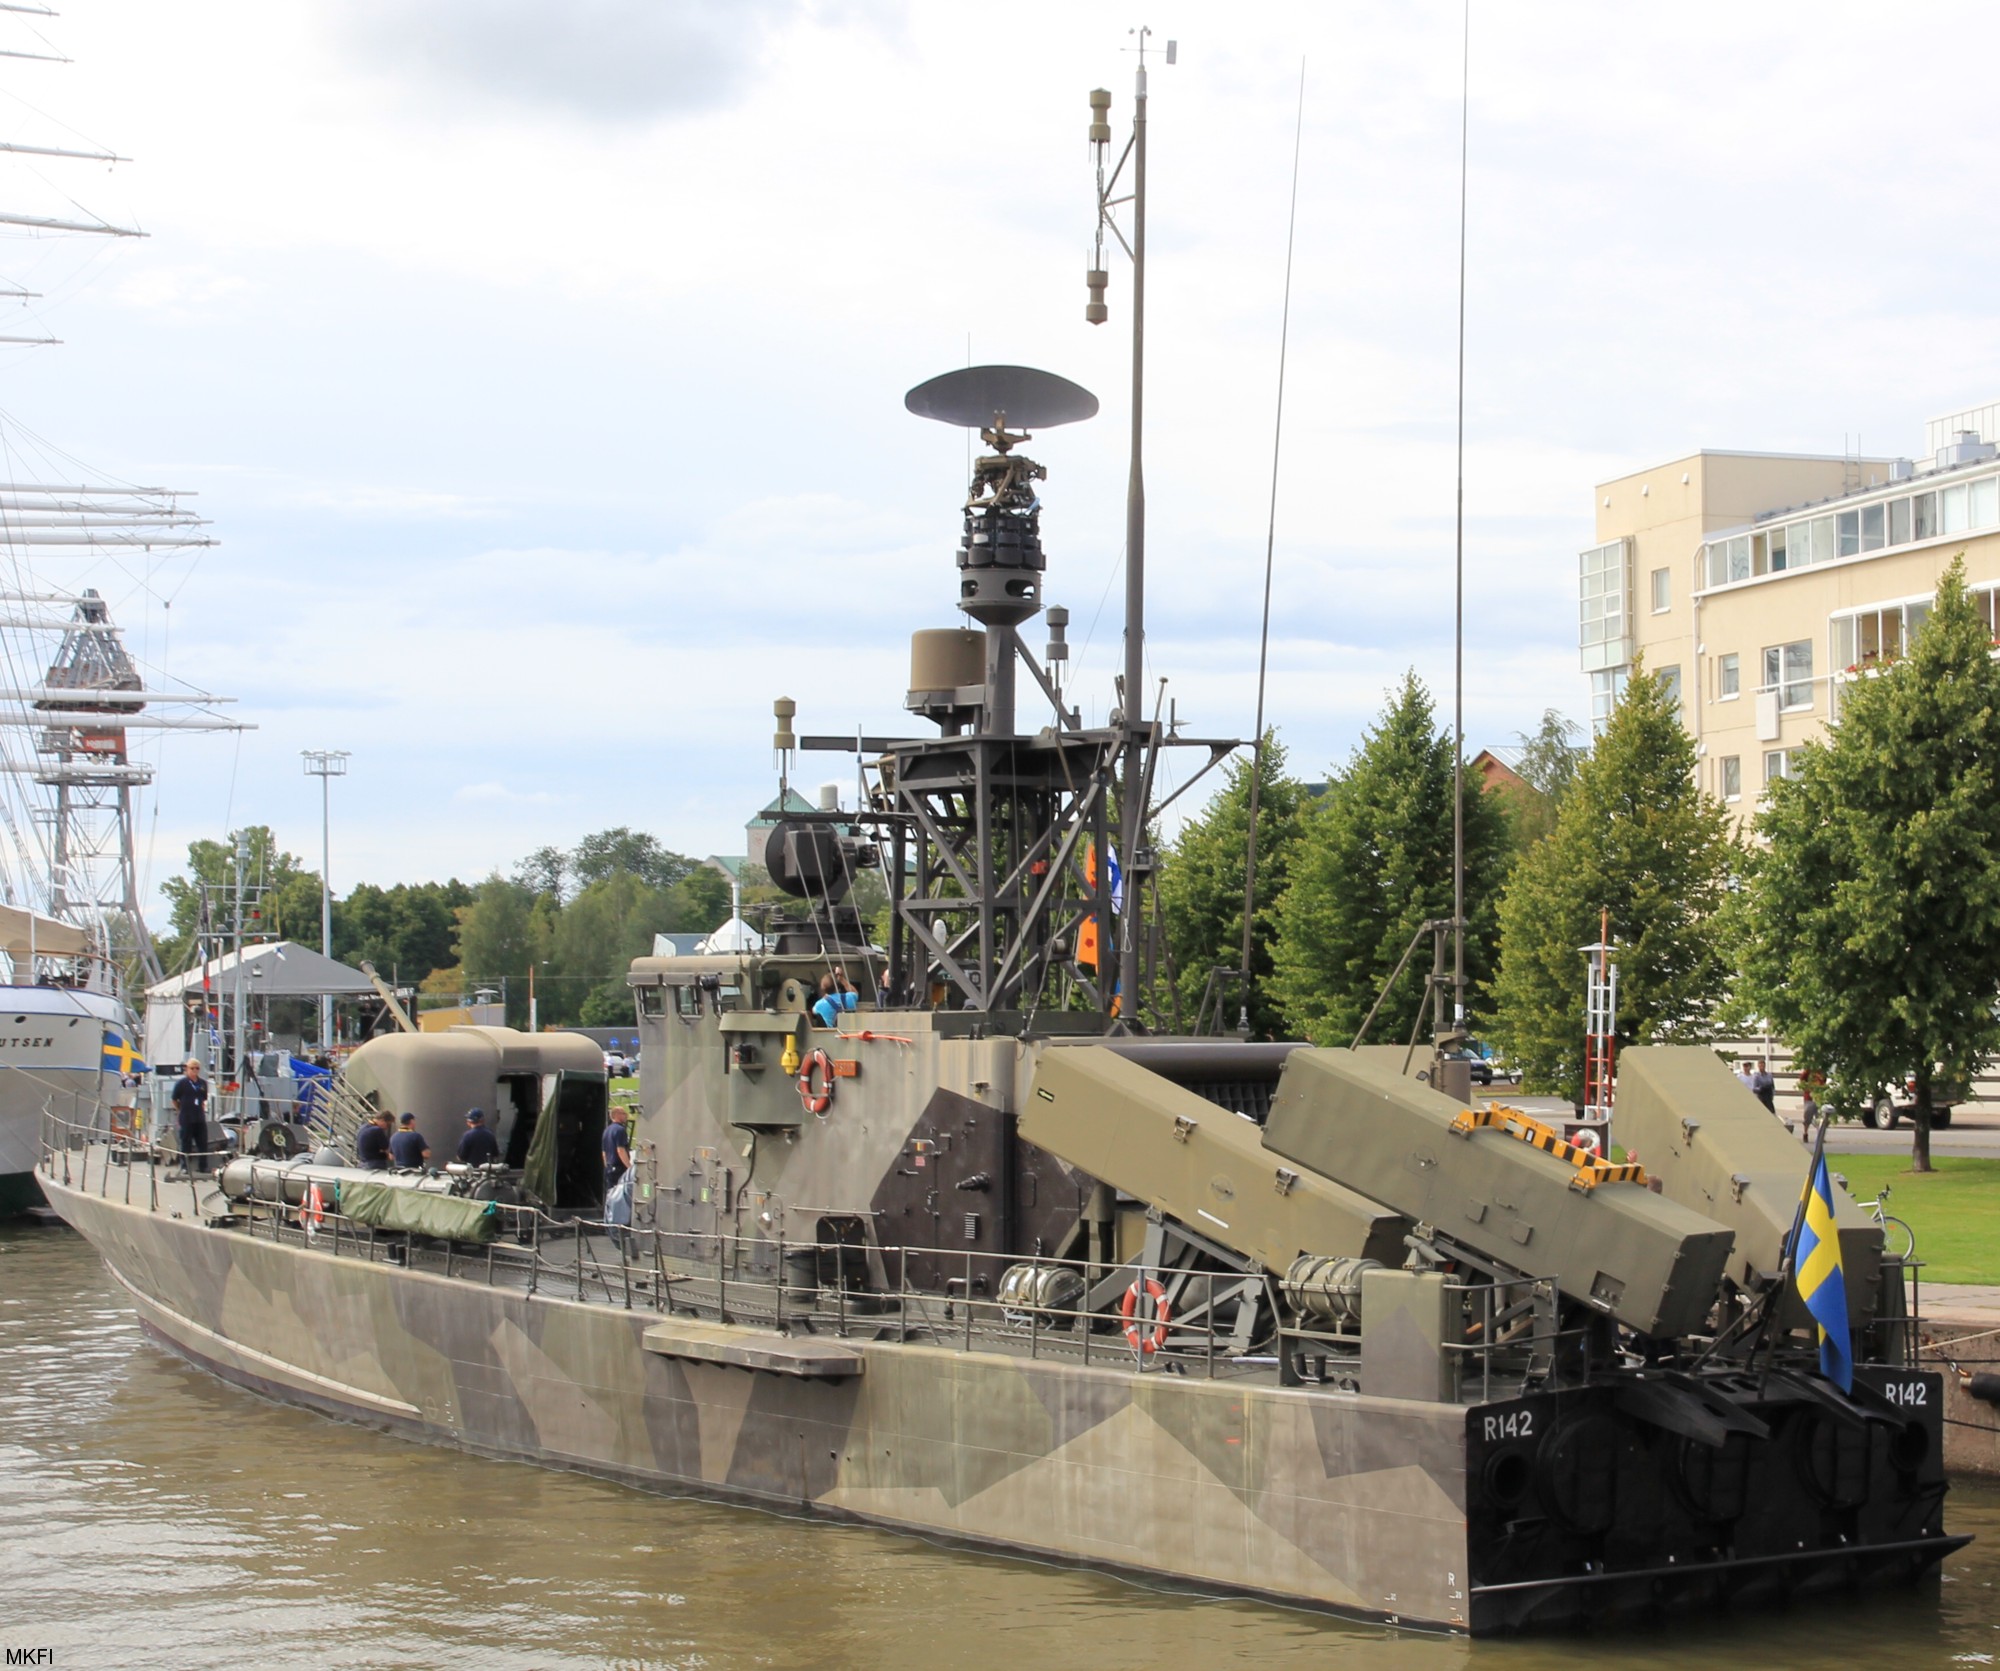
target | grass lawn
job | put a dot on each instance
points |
(1955, 1211)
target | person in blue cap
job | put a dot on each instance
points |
(407, 1147)
(478, 1147)
(371, 1144)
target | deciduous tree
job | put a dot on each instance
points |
(1874, 914)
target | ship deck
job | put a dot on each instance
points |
(697, 1278)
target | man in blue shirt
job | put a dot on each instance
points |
(478, 1147)
(408, 1148)
(836, 998)
(617, 1148)
(371, 1144)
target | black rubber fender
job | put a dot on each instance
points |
(1985, 1387)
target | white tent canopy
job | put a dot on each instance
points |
(26, 934)
(276, 969)
(733, 936)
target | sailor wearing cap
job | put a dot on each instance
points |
(407, 1146)
(478, 1147)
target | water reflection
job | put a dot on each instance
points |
(150, 1515)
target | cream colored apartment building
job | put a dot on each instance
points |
(1762, 583)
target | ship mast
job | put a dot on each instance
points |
(1134, 785)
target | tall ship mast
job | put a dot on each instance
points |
(77, 709)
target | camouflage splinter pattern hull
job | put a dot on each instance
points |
(1343, 1503)
(1420, 1513)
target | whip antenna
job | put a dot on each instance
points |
(1270, 546)
(1458, 582)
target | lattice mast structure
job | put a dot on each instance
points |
(1600, 1024)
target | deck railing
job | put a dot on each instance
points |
(1509, 1340)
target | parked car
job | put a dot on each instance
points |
(618, 1065)
(1892, 1107)
(1480, 1068)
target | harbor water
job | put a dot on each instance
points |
(152, 1516)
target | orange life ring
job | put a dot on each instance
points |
(820, 1100)
(1144, 1337)
(1588, 1141)
(312, 1214)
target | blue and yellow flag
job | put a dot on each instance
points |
(1822, 1284)
(119, 1057)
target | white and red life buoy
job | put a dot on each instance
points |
(1144, 1337)
(312, 1213)
(816, 1082)
(1588, 1141)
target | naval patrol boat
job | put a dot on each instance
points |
(983, 1261)
(994, 1259)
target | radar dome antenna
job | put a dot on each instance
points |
(1000, 558)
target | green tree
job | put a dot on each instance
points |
(628, 853)
(1874, 914)
(596, 938)
(1634, 837)
(1547, 763)
(498, 936)
(288, 888)
(1201, 884)
(698, 902)
(1373, 862)
(405, 931)
(545, 871)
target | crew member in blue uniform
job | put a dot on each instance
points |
(836, 998)
(478, 1147)
(371, 1144)
(190, 1096)
(408, 1148)
(617, 1148)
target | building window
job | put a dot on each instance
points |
(1730, 560)
(1924, 511)
(1663, 590)
(1605, 689)
(1899, 522)
(1986, 599)
(1728, 678)
(1788, 671)
(1604, 629)
(1779, 763)
(1732, 777)
(1872, 637)
(1670, 685)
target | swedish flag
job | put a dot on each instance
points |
(1822, 1285)
(119, 1057)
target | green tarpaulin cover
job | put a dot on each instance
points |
(450, 1217)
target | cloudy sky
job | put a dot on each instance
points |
(541, 366)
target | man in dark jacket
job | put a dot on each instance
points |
(371, 1144)
(190, 1096)
(478, 1147)
(408, 1148)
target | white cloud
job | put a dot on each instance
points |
(541, 368)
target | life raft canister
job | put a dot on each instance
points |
(817, 1096)
(1144, 1337)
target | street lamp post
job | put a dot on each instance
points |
(325, 764)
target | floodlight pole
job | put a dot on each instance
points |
(325, 764)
